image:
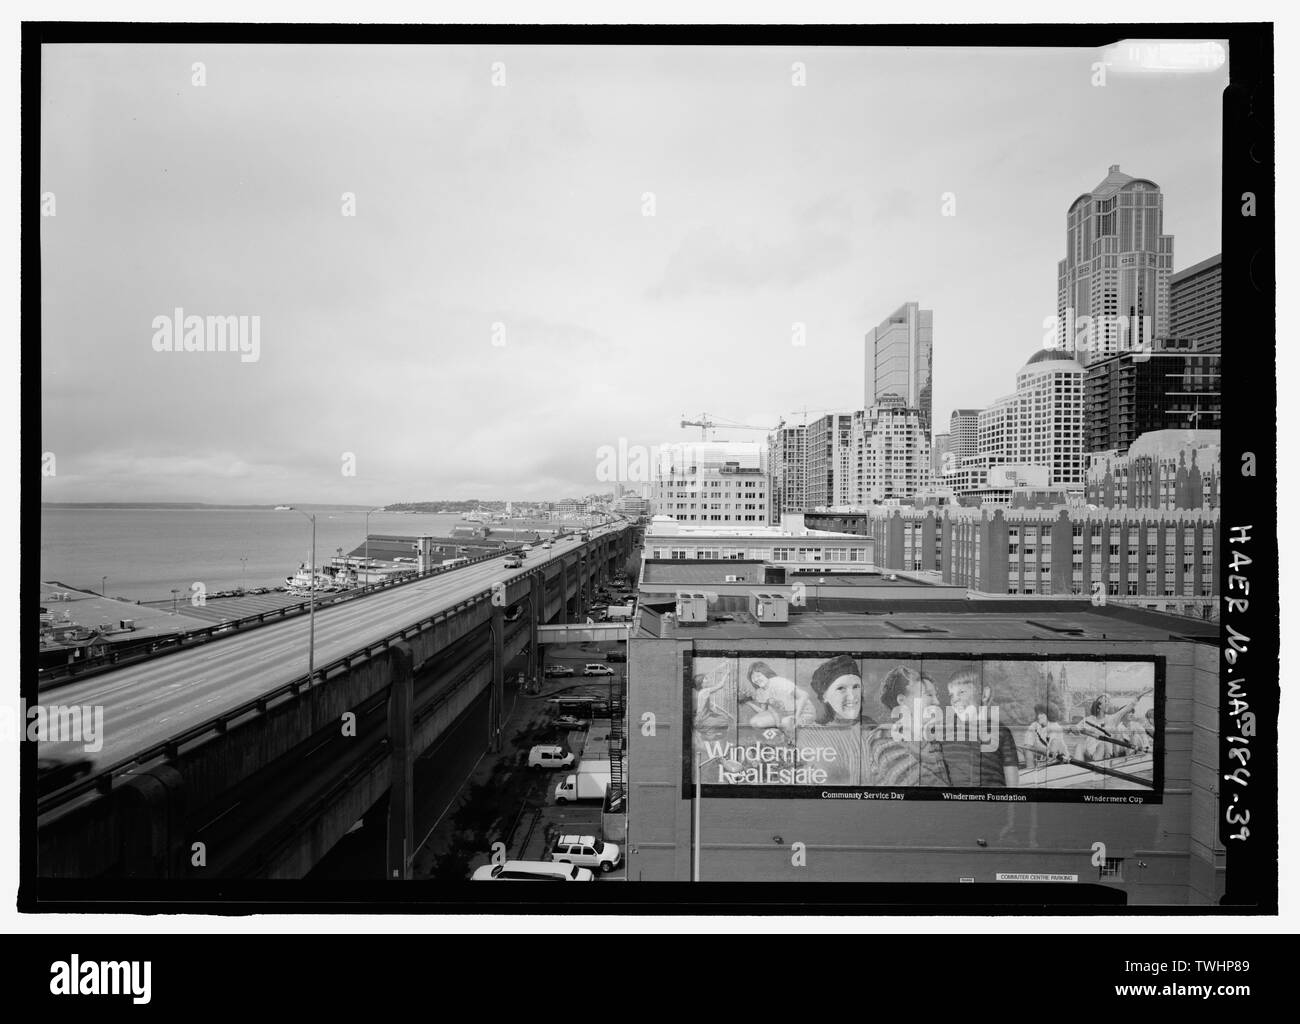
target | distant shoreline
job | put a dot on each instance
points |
(168, 506)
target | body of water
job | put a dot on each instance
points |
(146, 553)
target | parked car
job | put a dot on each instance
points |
(549, 756)
(587, 852)
(556, 671)
(597, 669)
(532, 871)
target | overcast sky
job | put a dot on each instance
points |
(523, 205)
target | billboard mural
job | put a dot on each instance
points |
(979, 727)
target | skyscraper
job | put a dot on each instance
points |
(1195, 305)
(1045, 424)
(787, 471)
(1116, 269)
(891, 453)
(940, 450)
(963, 430)
(830, 450)
(898, 360)
(1130, 394)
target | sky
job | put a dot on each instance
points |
(556, 251)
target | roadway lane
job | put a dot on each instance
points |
(148, 703)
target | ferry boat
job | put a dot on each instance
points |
(283, 508)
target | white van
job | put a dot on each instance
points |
(550, 756)
(532, 871)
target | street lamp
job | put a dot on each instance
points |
(379, 509)
(243, 561)
(103, 586)
(311, 613)
(174, 593)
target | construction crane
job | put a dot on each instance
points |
(705, 424)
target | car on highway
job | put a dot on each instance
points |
(556, 671)
(514, 562)
(587, 852)
(532, 871)
(56, 772)
(570, 721)
(616, 656)
(546, 546)
(549, 756)
(596, 669)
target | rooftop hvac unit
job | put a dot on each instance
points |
(692, 608)
(733, 578)
(127, 624)
(769, 609)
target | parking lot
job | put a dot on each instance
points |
(502, 800)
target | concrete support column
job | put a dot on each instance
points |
(564, 593)
(537, 591)
(150, 813)
(496, 700)
(401, 756)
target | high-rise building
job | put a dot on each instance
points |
(994, 431)
(940, 450)
(1129, 394)
(1041, 424)
(891, 453)
(963, 429)
(787, 470)
(1116, 269)
(1196, 305)
(899, 360)
(830, 453)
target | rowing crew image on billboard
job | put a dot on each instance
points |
(868, 722)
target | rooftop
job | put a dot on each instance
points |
(91, 611)
(1042, 621)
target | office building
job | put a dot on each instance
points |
(899, 357)
(790, 545)
(1133, 393)
(891, 453)
(941, 457)
(1041, 424)
(1196, 305)
(829, 457)
(963, 429)
(1113, 285)
(1162, 560)
(708, 491)
(787, 471)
